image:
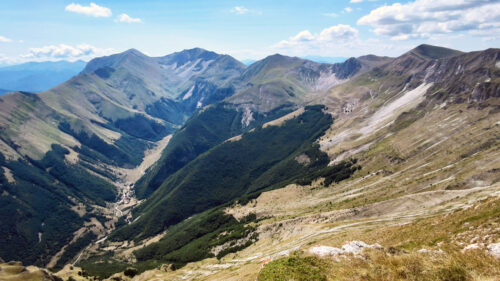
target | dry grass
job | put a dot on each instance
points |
(379, 265)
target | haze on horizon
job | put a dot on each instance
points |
(72, 30)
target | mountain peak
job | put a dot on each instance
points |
(280, 60)
(434, 52)
(191, 55)
(132, 51)
(115, 60)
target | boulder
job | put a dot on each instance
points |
(350, 247)
(324, 251)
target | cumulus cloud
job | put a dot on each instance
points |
(347, 9)
(63, 51)
(92, 10)
(340, 32)
(356, 1)
(5, 39)
(126, 18)
(338, 40)
(424, 18)
(336, 34)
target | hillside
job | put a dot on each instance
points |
(104, 128)
(72, 147)
(425, 136)
(38, 76)
(286, 169)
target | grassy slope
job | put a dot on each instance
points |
(99, 118)
(402, 261)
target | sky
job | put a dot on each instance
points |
(34, 30)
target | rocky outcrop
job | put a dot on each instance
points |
(346, 69)
(350, 247)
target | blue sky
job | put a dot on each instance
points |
(57, 29)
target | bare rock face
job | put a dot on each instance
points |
(346, 69)
(485, 90)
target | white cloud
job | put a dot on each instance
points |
(347, 9)
(63, 51)
(356, 1)
(126, 18)
(92, 10)
(3, 59)
(424, 18)
(5, 39)
(337, 41)
(240, 10)
(337, 34)
(340, 32)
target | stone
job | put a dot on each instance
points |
(494, 250)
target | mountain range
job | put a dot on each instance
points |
(194, 158)
(37, 76)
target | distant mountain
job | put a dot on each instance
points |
(248, 62)
(325, 59)
(279, 80)
(435, 52)
(38, 76)
(3, 91)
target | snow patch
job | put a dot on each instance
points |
(188, 94)
(498, 64)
